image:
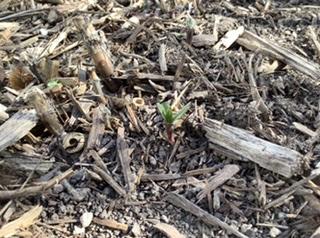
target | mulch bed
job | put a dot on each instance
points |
(84, 150)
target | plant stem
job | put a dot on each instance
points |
(169, 129)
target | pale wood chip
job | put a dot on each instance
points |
(26, 220)
(169, 230)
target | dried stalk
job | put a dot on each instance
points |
(45, 111)
(94, 42)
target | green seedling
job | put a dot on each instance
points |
(171, 118)
(191, 25)
(53, 84)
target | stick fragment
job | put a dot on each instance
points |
(179, 201)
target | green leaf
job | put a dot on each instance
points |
(166, 112)
(191, 22)
(177, 116)
(53, 83)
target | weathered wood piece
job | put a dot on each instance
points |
(124, 157)
(17, 127)
(23, 163)
(45, 111)
(218, 179)
(97, 130)
(313, 35)
(240, 144)
(147, 76)
(98, 160)
(3, 115)
(203, 40)
(255, 43)
(98, 51)
(112, 224)
(34, 190)
(109, 180)
(304, 129)
(160, 177)
(162, 58)
(316, 233)
(169, 230)
(179, 201)
(27, 219)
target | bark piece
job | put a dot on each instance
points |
(17, 127)
(240, 144)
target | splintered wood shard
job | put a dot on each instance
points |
(124, 157)
(112, 224)
(253, 42)
(27, 219)
(181, 202)
(218, 179)
(17, 127)
(169, 230)
(34, 190)
(97, 130)
(240, 144)
(109, 180)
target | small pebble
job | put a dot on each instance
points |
(165, 218)
(55, 217)
(141, 196)
(107, 191)
(43, 32)
(136, 231)
(86, 219)
(152, 161)
(103, 214)
(245, 227)
(78, 230)
(274, 232)
(58, 188)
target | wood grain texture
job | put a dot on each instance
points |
(240, 144)
(17, 127)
